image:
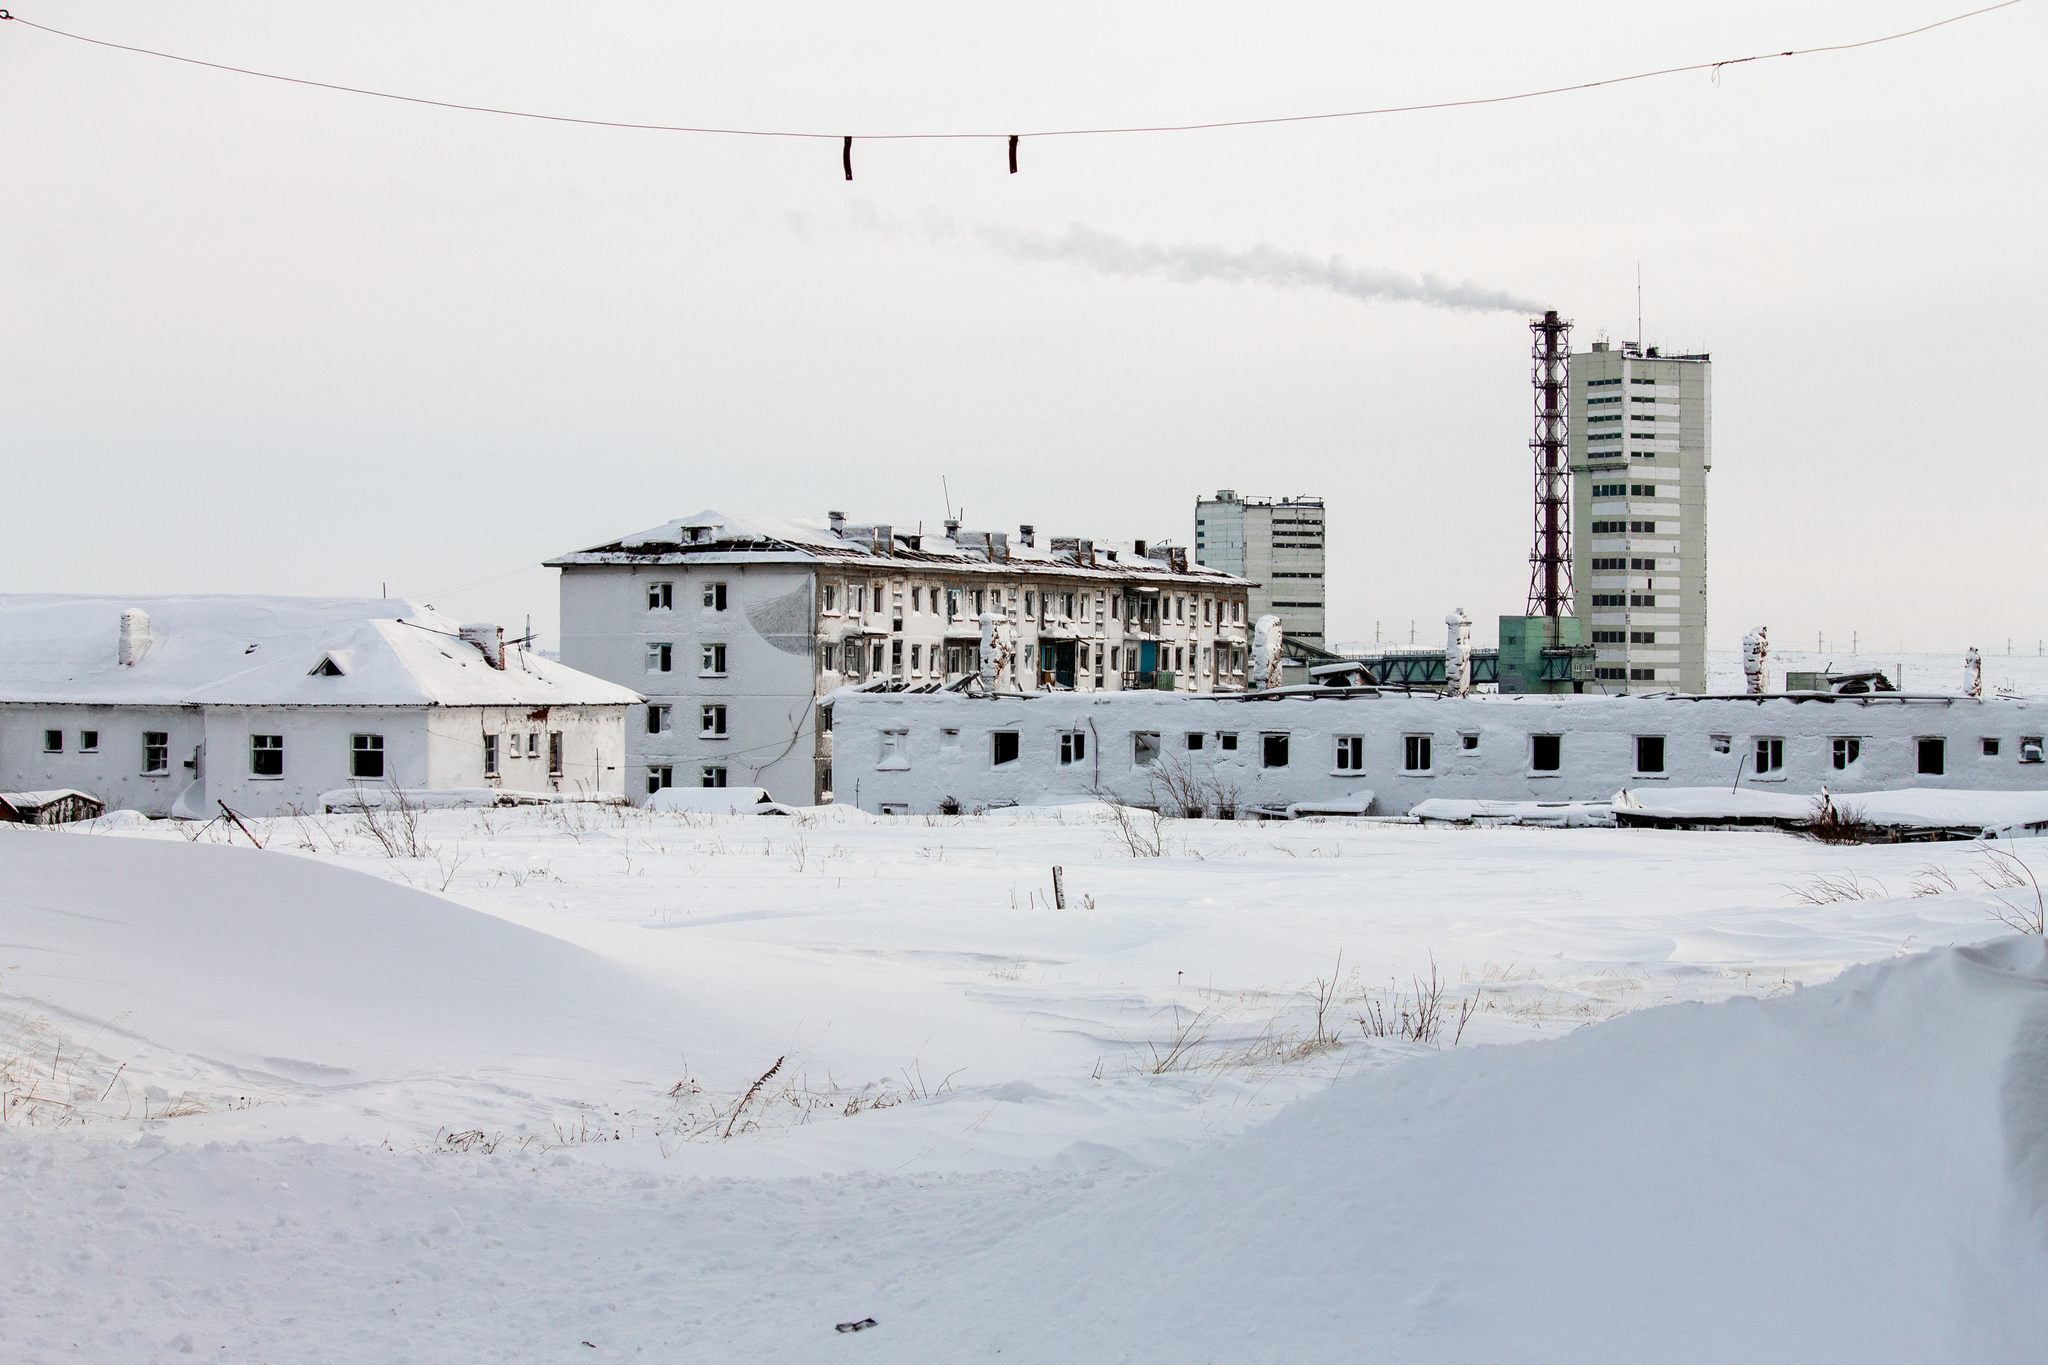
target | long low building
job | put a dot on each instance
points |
(1337, 747)
(171, 705)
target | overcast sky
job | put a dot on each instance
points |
(258, 337)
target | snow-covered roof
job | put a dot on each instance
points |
(719, 537)
(269, 651)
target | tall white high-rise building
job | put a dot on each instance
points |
(1641, 450)
(1275, 542)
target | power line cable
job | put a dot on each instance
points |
(847, 139)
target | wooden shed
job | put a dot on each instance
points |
(50, 808)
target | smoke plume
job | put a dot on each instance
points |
(1105, 253)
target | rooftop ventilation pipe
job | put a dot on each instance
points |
(838, 520)
(1026, 533)
(134, 636)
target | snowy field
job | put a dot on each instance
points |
(577, 1083)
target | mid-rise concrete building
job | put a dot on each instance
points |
(1277, 543)
(1641, 450)
(734, 628)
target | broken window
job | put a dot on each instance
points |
(1468, 741)
(1275, 750)
(366, 756)
(917, 599)
(1144, 748)
(660, 655)
(1546, 753)
(490, 755)
(1073, 746)
(660, 596)
(1003, 747)
(156, 751)
(714, 596)
(916, 653)
(657, 778)
(952, 604)
(832, 597)
(1933, 756)
(1770, 755)
(1226, 740)
(554, 753)
(1722, 744)
(2030, 748)
(713, 658)
(1649, 753)
(711, 722)
(1990, 747)
(1195, 738)
(1350, 753)
(1847, 751)
(53, 741)
(533, 745)
(266, 755)
(896, 655)
(1415, 756)
(711, 777)
(831, 654)
(89, 742)
(657, 720)
(857, 598)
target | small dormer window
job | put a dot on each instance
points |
(326, 668)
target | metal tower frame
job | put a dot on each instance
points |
(1550, 562)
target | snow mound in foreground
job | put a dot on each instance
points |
(1853, 1172)
(287, 970)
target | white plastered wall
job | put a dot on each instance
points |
(926, 765)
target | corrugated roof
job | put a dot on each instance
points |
(264, 651)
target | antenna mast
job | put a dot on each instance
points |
(1550, 563)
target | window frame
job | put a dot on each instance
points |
(1273, 742)
(1073, 747)
(660, 718)
(490, 756)
(1661, 750)
(1146, 748)
(711, 721)
(53, 741)
(1418, 745)
(88, 741)
(1845, 751)
(1004, 748)
(661, 656)
(660, 775)
(1768, 755)
(713, 660)
(1351, 755)
(258, 750)
(359, 751)
(711, 775)
(714, 596)
(661, 595)
(158, 741)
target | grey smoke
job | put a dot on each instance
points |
(1105, 253)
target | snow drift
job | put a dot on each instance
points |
(1858, 1171)
(282, 969)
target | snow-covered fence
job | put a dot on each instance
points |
(1309, 746)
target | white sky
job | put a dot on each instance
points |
(265, 338)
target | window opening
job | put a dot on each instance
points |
(1350, 753)
(1275, 750)
(1546, 753)
(266, 755)
(366, 756)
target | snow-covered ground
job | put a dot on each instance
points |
(505, 1098)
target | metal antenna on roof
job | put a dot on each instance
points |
(948, 495)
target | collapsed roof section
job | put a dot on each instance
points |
(718, 538)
